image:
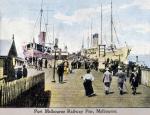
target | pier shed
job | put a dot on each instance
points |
(8, 59)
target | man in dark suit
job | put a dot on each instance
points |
(60, 72)
(25, 72)
(134, 81)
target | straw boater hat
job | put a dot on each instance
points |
(107, 69)
(119, 68)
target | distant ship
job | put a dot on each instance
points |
(42, 50)
(103, 52)
(34, 51)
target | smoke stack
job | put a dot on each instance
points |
(42, 36)
(137, 59)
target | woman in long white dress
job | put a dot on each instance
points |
(88, 78)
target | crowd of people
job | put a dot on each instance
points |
(17, 72)
(112, 68)
(118, 69)
(77, 63)
(84, 63)
(134, 80)
(37, 63)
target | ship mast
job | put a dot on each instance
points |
(83, 42)
(46, 25)
(88, 39)
(41, 12)
(53, 34)
(101, 24)
(111, 25)
(91, 33)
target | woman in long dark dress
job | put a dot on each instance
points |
(88, 78)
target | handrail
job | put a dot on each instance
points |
(11, 90)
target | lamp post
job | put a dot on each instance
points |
(55, 48)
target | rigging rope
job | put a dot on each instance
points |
(32, 36)
(115, 33)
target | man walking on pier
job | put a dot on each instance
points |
(134, 81)
(121, 79)
(46, 63)
(107, 78)
(60, 72)
(25, 71)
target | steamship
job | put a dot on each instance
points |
(42, 50)
(103, 52)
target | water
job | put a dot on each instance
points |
(142, 59)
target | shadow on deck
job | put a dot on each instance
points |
(31, 99)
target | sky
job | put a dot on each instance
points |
(72, 20)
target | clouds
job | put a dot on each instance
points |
(72, 19)
(80, 15)
(126, 6)
(143, 4)
(133, 26)
(20, 27)
(142, 28)
(140, 48)
(137, 36)
(77, 16)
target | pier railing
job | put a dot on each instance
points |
(11, 91)
(145, 79)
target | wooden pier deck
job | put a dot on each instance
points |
(71, 92)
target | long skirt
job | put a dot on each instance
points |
(88, 87)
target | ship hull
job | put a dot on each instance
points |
(120, 54)
(35, 53)
(117, 55)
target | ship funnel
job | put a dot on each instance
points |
(42, 36)
(95, 40)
